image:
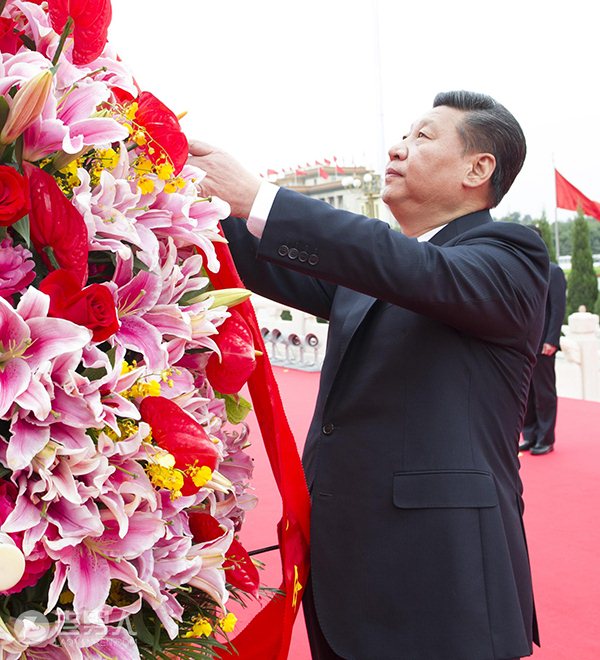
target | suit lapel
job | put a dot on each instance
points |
(459, 226)
(358, 306)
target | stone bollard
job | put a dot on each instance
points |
(580, 345)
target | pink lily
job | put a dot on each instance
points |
(26, 106)
(27, 339)
(89, 566)
(69, 127)
(135, 297)
(115, 643)
(15, 641)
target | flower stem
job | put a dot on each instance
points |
(49, 252)
(63, 37)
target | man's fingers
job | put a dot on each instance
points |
(198, 148)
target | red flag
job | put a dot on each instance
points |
(327, 162)
(269, 633)
(300, 171)
(338, 169)
(269, 172)
(323, 173)
(568, 197)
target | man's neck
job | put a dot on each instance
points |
(425, 222)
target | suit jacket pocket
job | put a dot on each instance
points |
(444, 489)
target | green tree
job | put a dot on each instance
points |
(594, 227)
(582, 286)
(547, 236)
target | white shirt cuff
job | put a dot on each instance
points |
(261, 208)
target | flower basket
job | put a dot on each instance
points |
(123, 473)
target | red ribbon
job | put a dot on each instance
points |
(269, 633)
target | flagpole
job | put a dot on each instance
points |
(381, 156)
(556, 238)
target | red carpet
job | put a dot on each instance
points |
(562, 495)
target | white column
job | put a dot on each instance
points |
(581, 345)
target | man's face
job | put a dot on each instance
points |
(427, 168)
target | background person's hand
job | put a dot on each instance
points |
(549, 349)
(225, 177)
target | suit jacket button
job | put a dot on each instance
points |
(293, 253)
(303, 256)
(283, 250)
(328, 428)
(313, 259)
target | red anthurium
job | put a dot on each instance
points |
(93, 307)
(182, 436)
(204, 527)
(240, 572)
(238, 357)
(91, 19)
(10, 37)
(162, 126)
(56, 224)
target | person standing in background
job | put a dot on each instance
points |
(540, 416)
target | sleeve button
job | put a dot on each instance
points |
(328, 428)
(283, 250)
(313, 259)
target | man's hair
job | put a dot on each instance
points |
(489, 127)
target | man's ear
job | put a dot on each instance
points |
(481, 168)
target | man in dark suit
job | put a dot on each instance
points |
(417, 542)
(540, 416)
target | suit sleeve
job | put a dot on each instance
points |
(491, 283)
(556, 305)
(271, 281)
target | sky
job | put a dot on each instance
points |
(284, 83)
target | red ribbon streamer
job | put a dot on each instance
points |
(269, 633)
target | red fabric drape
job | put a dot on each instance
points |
(569, 198)
(268, 635)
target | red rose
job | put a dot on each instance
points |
(14, 195)
(56, 224)
(92, 307)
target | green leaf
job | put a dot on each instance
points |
(19, 150)
(94, 373)
(142, 632)
(236, 407)
(22, 228)
(139, 265)
(190, 295)
(3, 111)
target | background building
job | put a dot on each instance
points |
(356, 189)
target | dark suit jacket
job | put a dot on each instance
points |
(556, 303)
(418, 549)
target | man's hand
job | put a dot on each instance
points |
(549, 350)
(225, 177)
